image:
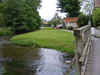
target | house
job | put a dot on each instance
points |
(71, 22)
(44, 22)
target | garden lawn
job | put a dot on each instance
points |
(47, 38)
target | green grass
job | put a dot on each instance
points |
(47, 38)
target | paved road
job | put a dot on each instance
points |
(94, 58)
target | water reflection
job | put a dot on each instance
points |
(24, 60)
(29, 61)
(52, 63)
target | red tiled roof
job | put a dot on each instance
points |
(71, 19)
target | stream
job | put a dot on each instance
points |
(16, 60)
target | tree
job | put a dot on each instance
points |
(96, 17)
(82, 20)
(2, 22)
(2, 18)
(72, 7)
(55, 20)
(21, 15)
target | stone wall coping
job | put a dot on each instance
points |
(83, 28)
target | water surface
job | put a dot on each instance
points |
(16, 60)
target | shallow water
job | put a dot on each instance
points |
(16, 60)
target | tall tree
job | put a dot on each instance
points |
(72, 7)
(21, 15)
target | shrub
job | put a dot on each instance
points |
(20, 15)
(70, 28)
(96, 17)
(82, 20)
(5, 31)
(2, 22)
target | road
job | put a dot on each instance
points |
(94, 58)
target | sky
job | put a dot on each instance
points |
(48, 9)
(87, 6)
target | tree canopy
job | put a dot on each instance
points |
(72, 7)
(21, 15)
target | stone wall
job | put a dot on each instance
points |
(83, 47)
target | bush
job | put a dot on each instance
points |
(2, 22)
(5, 31)
(82, 20)
(96, 17)
(20, 15)
(70, 28)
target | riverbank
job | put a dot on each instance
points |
(47, 38)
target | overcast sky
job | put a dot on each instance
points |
(48, 9)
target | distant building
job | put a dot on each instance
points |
(44, 22)
(71, 21)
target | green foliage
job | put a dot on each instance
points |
(48, 38)
(96, 17)
(72, 7)
(5, 31)
(2, 20)
(21, 15)
(54, 22)
(82, 20)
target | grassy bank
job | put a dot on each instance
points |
(47, 38)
